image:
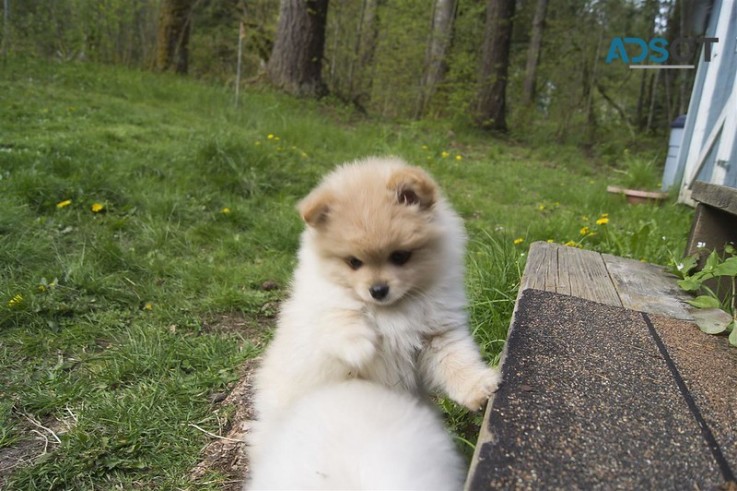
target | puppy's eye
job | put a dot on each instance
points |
(354, 262)
(399, 258)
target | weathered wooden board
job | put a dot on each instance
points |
(646, 287)
(604, 279)
(541, 271)
(569, 271)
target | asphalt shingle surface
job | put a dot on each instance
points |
(589, 402)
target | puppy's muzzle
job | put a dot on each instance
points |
(379, 291)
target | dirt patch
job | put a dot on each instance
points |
(254, 328)
(226, 454)
(39, 438)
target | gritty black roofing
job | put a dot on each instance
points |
(589, 402)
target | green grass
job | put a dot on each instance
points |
(106, 318)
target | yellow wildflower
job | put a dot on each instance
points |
(602, 221)
(550, 241)
(444, 154)
(64, 204)
(571, 243)
(518, 240)
(270, 136)
(97, 207)
(148, 306)
(225, 211)
(541, 207)
(16, 300)
(459, 157)
(584, 231)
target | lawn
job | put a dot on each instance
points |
(148, 231)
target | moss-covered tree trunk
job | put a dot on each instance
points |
(491, 102)
(295, 64)
(172, 49)
(533, 52)
(441, 32)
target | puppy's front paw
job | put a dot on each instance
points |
(481, 388)
(356, 344)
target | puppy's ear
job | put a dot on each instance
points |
(413, 186)
(315, 207)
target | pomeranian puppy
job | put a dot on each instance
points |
(358, 435)
(378, 294)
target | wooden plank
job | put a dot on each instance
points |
(541, 260)
(646, 287)
(722, 197)
(587, 276)
(569, 271)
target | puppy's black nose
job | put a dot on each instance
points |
(379, 291)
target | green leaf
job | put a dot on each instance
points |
(687, 264)
(729, 249)
(727, 268)
(711, 262)
(705, 302)
(733, 335)
(712, 321)
(689, 284)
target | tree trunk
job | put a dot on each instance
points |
(642, 101)
(361, 91)
(491, 103)
(172, 52)
(295, 64)
(441, 31)
(533, 53)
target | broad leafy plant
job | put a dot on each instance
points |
(716, 315)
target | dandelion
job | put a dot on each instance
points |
(97, 207)
(518, 240)
(459, 157)
(15, 301)
(541, 207)
(148, 306)
(571, 243)
(444, 154)
(225, 211)
(63, 204)
(550, 241)
(603, 220)
(270, 136)
(584, 231)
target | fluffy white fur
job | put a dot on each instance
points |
(331, 329)
(358, 435)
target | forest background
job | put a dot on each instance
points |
(543, 61)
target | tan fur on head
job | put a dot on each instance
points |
(413, 186)
(315, 207)
(368, 211)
